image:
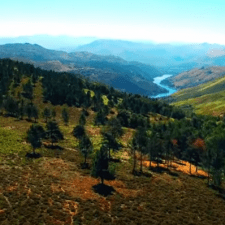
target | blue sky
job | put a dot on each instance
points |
(159, 20)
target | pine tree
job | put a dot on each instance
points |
(11, 106)
(28, 90)
(82, 119)
(101, 164)
(53, 132)
(35, 113)
(65, 116)
(53, 114)
(85, 147)
(35, 135)
(110, 141)
(216, 151)
(46, 114)
(29, 109)
(100, 118)
(79, 131)
(21, 109)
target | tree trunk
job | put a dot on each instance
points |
(196, 169)
(34, 151)
(134, 165)
(109, 154)
(150, 163)
(102, 180)
(157, 159)
(141, 164)
(208, 174)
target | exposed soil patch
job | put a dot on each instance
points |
(183, 167)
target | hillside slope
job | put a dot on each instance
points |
(208, 98)
(195, 77)
(129, 76)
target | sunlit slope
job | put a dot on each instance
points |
(208, 98)
(203, 89)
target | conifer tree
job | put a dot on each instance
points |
(35, 113)
(79, 131)
(82, 119)
(65, 116)
(101, 164)
(28, 90)
(216, 151)
(140, 140)
(46, 114)
(11, 106)
(35, 135)
(53, 132)
(85, 147)
(53, 113)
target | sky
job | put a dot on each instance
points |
(185, 21)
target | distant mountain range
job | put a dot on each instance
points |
(133, 77)
(62, 42)
(170, 58)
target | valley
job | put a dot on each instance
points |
(158, 81)
(127, 76)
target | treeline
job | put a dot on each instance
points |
(199, 140)
(75, 90)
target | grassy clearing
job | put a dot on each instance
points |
(211, 104)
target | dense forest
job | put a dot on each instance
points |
(175, 134)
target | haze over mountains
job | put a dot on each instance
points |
(62, 42)
(170, 58)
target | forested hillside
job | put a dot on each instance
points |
(74, 151)
(127, 76)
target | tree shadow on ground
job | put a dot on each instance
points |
(114, 160)
(198, 176)
(174, 174)
(216, 188)
(85, 166)
(159, 169)
(53, 147)
(33, 155)
(103, 189)
(180, 163)
(138, 173)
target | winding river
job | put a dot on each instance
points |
(157, 80)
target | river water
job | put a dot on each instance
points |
(157, 80)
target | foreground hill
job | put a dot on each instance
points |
(157, 168)
(128, 76)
